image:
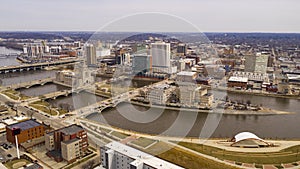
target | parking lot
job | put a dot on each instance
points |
(7, 150)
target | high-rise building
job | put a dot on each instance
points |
(25, 51)
(161, 55)
(90, 55)
(141, 63)
(257, 63)
(181, 49)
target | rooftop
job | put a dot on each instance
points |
(140, 156)
(186, 73)
(25, 125)
(71, 141)
(71, 129)
(245, 135)
(238, 79)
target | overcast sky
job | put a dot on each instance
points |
(207, 15)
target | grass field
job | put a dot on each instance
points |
(143, 142)
(182, 158)
(11, 94)
(44, 107)
(119, 135)
(16, 163)
(288, 155)
(15, 95)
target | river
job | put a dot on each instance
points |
(265, 126)
(9, 61)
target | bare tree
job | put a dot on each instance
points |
(30, 114)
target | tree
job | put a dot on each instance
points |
(30, 114)
(248, 102)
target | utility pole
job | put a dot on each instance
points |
(16, 132)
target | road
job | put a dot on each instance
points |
(54, 122)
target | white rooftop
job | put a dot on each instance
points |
(186, 73)
(238, 79)
(10, 121)
(245, 135)
(141, 156)
(2, 126)
(20, 118)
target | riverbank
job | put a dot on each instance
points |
(264, 111)
(257, 93)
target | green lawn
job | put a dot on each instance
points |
(10, 164)
(104, 130)
(182, 158)
(10, 95)
(119, 135)
(15, 95)
(288, 155)
(44, 108)
(143, 142)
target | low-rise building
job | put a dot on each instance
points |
(69, 143)
(29, 130)
(117, 155)
(206, 100)
(186, 76)
(241, 82)
(160, 94)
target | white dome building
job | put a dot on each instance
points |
(248, 140)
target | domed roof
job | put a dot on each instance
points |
(245, 135)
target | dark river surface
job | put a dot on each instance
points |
(216, 125)
(191, 124)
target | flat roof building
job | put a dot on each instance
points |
(30, 129)
(117, 155)
(68, 143)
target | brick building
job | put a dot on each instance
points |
(67, 143)
(30, 129)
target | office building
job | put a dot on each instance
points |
(90, 55)
(116, 155)
(30, 129)
(161, 55)
(190, 93)
(160, 94)
(185, 76)
(181, 50)
(69, 143)
(256, 63)
(141, 63)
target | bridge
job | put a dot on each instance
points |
(35, 66)
(4, 56)
(31, 83)
(54, 95)
(111, 102)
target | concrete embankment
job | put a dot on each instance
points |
(264, 111)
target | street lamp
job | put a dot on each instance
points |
(16, 131)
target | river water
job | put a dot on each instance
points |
(266, 126)
(9, 61)
(187, 123)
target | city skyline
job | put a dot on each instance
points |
(209, 16)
